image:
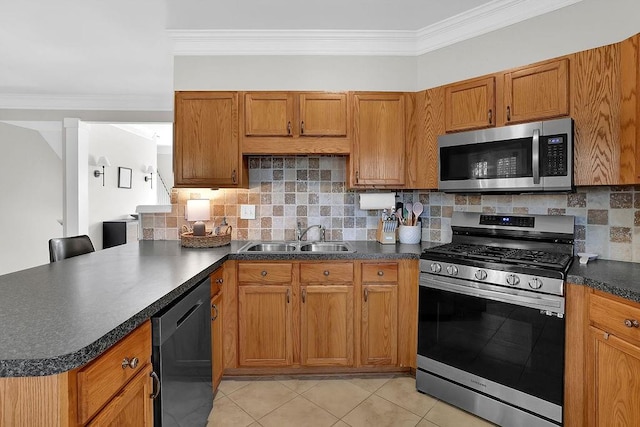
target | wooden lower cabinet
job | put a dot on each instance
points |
(217, 342)
(101, 393)
(327, 325)
(264, 325)
(131, 406)
(379, 325)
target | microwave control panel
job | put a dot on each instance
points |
(553, 153)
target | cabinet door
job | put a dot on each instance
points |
(132, 406)
(379, 140)
(217, 344)
(380, 324)
(264, 325)
(327, 325)
(470, 105)
(613, 369)
(323, 114)
(268, 114)
(538, 92)
(207, 148)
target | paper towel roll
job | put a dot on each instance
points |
(377, 201)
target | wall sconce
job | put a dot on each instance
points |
(150, 171)
(102, 161)
(198, 210)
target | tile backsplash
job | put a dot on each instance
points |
(312, 190)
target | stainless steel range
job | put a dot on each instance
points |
(491, 317)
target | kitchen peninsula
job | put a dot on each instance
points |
(58, 317)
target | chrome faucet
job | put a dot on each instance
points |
(300, 233)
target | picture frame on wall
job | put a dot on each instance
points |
(124, 177)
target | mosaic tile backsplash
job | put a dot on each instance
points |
(312, 190)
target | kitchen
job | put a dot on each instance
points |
(441, 205)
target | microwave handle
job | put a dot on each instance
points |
(535, 154)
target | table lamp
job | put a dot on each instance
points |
(198, 210)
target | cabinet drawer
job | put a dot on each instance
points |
(326, 272)
(610, 315)
(264, 273)
(380, 272)
(102, 378)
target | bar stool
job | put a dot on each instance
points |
(67, 247)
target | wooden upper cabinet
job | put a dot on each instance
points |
(295, 123)
(378, 154)
(427, 122)
(269, 114)
(206, 146)
(537, 92)
(323, 114)
(470, 104)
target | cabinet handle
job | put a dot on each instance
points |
(366, 294)
(380, 273)
(156, 384)
(302, 127)
(304, 295)
(508, 113)
(129, 363)
(263, 273)
(288, 128)
(631, 323)
(234, 177)
(288, 296)
(357, 176)
(326, 273)
(215, 311)
(490, 115)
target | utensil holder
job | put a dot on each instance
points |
(410, 234)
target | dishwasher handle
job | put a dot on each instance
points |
(189, 312)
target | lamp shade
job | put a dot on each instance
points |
(103, 161)
(149, 169)
(198, 210)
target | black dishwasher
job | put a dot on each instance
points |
(182, 358)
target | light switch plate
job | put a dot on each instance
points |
(247, 211)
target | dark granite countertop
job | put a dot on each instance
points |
(59, 316)
(615, 277)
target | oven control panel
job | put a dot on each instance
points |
(489, 276)
(508, 220)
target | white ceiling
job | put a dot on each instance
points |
(118, 54)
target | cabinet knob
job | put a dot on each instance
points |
(130, 363)
(219, 281)
(380, 273)
(326, 272)
(263, 273)
(631, 323)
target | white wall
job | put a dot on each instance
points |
(31, 179)
(110, 202)
(587, 24)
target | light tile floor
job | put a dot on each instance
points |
(332, 401)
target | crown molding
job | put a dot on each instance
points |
(101, 102)
(480, 20)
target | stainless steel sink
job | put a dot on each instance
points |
(270, 247)
(326, 247)
(318, 247)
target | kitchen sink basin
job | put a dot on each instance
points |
(317, 247)
(270, 247)
(325, 247)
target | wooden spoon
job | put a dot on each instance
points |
(409, 208)
(417, 210)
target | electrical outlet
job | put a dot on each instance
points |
(247, 211)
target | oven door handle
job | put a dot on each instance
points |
(549, 303)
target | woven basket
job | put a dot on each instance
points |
(210, 240)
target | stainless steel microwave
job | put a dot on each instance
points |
(530, 157)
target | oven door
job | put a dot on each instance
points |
(505, 348)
